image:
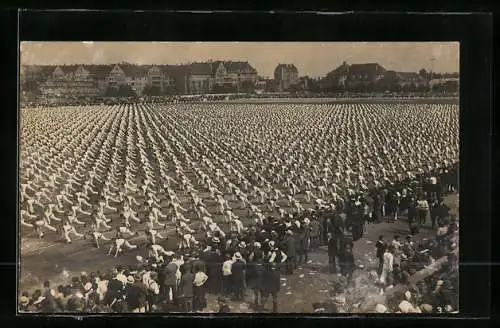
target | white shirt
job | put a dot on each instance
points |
(226, 267)
(158, 248)
(388, 261)
(102, 288)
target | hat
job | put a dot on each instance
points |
(380, 308)
(216, 240)
(257, 244)
(406, 307)
(237, 256)
(289, 232)
(307, 221)
(139, 258)
(24, 300)
(271, 243)
(130, 279)
(242, 244)
(407, 295)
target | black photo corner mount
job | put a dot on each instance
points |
(473, 31)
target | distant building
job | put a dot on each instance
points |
(286, 75)
(135, 77)
(75, 81)
(445, 85)
(220, 77)
(241, 75)
(411, 78)
(264, 84)
(354, 75)
(36, 73)
(200, 77)
(70, 81)
(99, 74)
(116, 77)
(372, 77)
(434, 82)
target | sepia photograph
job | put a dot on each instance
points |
(238, 177)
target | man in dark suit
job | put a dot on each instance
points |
(442, 211)
(257, 281)
(300, 244)
(289, 246)
(332, 253)
(213, 259)
(378, 204)
(238, 277)
(272, 285)
(381, 246)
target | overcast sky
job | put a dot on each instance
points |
(311, 58)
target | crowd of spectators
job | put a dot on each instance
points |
(255, 259)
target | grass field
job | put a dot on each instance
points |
(248, 136)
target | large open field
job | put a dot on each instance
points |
(252, 142)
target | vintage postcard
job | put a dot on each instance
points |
(233, 177)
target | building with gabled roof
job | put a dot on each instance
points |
(196, 78)
(99, 72)
(353, 76)
(220, 76)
